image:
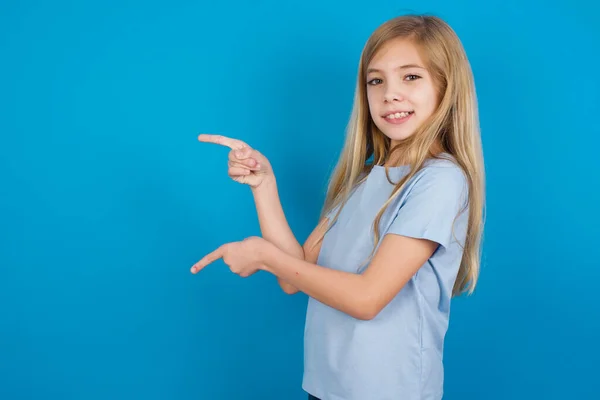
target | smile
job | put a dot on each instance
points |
(399, 117)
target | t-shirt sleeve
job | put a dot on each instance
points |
(432, 205)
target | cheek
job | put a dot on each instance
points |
(372, 101)
(426, 100)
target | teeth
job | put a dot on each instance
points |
(398, 115)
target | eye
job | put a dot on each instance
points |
(372, 81)
(412, 77)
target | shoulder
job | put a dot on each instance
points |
(440, 183)
(437, 196)
(444, 171)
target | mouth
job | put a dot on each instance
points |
(398, 117)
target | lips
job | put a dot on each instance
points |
(397, 114)
(398, 117)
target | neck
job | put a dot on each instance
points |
(400, 157)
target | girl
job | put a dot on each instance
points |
(401, 226)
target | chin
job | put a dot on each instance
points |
(398, 136)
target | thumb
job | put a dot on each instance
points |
(260, 159)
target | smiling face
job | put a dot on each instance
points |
(400, 91)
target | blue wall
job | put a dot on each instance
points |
(107, 199)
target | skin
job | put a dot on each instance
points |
(362, 296)
(397, 79)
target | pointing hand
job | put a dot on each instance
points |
(246, 165)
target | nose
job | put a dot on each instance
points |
(392, 94)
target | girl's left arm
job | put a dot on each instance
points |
(361, 296)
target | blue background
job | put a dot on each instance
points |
(107, 198)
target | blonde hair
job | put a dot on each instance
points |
(454, 125)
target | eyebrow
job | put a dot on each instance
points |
(400, 67)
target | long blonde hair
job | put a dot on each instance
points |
(454, 125)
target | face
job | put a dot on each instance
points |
(400, 90)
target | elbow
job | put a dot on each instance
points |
(372, 301)
(288, 289)
(367, 309)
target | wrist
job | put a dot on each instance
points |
(268, 184)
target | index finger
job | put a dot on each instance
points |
(233, 144)
(207, 259)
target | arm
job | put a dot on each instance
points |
(421, 225)
(274, 228)
(361, 296)
(249, 166)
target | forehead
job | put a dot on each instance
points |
(396, 52)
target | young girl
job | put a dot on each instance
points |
(401, 226)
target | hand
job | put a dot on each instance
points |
(246, 165)
(243, 258)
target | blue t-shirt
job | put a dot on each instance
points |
(398, 354)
